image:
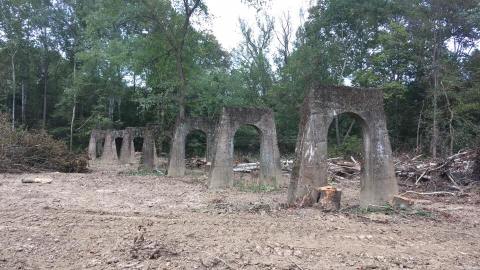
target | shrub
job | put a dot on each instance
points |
(35, 151)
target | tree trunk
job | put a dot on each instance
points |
(45, 84)
(24, 103)
(74, 106)
(349, 130)
(451, 130)
(434, 141)
(337, 131)
(419, 124)
(183, 85)
(45, 78)
(14, 88)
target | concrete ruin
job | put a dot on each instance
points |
(109, 154)
(230, 120)
(176, 165)
(320, 107)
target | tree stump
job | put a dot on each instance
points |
(329, 198)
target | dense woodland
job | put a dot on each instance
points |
(68, 66)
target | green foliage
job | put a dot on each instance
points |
(352, 146)
(255, 188)
(121, 64)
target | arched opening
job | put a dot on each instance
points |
(246, 156)
(195, 151)
(348, 142)
(100, 143)
(138, 144)
(118, 144)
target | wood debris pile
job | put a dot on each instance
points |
(246, 167)
(30, 151)
(456, 169)
(195, 163)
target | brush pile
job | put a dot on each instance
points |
(23, 151)
(457, 169)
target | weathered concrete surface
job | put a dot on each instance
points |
(148, 149)
(92, 145)
(127, 152)
(109, 154)
(321, 105)
(176, 164)
(231, 119)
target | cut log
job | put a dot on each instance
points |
(403, 203)
(246, 167)
(329, 198)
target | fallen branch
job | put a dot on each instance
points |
(430, 193)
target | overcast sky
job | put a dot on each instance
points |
(224, 16)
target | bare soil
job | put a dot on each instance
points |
(115, 220)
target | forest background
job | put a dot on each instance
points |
(69, 66)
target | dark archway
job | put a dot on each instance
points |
(345, 136)
(99, 150)
(196, 144)
(138, 144)
(246, 156)
(118, 144)
(346, 140)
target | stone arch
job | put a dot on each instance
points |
(320, 107)
(176, 164)
(231, 119)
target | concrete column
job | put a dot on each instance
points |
(109, 154)
(378, 183)
(148, 150)
(127, 152)
(270, 171)
(310, 169)
(210, 146)
(176, 163)
(92, 146)
(221, 173)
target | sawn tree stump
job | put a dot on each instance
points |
(329, 198)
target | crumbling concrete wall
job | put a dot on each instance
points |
(176, 164)
(320, 107)
(231, 119)
(127, 151)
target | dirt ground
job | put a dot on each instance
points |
(115, 220)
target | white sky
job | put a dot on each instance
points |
(224, 16)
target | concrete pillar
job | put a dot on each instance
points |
(109, 155)
(311, 168)
(127, 152)
(148, 150)
(270, 171)
(176, 163)
(210, 146)
(378, 181)
(221, 173)
(92, 146)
